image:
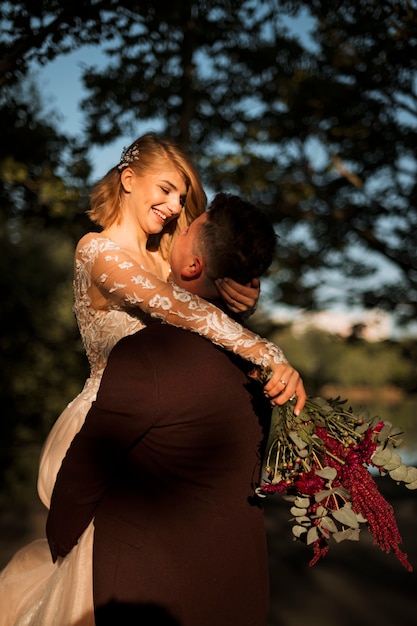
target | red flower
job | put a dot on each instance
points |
(309, 483)
(368, 501)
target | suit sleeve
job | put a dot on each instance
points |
(126, 407)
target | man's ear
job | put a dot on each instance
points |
(194, 269)
(126, 178)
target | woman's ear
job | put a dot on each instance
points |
(126, 178)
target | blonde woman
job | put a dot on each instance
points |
(121, 281)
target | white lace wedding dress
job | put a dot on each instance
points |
(33, 590)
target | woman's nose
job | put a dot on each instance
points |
(175, 206)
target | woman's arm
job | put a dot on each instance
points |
(125, 284)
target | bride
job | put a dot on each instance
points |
(121, 281)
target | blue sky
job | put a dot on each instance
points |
(61, 89)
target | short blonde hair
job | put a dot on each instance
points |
(152, 151)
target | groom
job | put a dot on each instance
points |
(168, 458)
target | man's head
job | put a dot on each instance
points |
(232, 239)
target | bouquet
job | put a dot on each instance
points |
(320, 461)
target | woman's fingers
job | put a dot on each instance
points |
(285, 384)
(239, 298)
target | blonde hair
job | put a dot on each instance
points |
(150, 151)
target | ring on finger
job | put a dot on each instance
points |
(283, 382)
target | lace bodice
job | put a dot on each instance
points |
(100, 330)
(133, 296)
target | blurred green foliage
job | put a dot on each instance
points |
(324, 358)
(319, 129)
(380, 377)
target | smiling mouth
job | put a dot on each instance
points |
(159, 213)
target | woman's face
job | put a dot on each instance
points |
(156, 198)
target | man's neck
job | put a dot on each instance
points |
(201, 286)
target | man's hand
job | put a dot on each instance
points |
(239, 298)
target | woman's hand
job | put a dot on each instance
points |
(284, 384)
(239, 298)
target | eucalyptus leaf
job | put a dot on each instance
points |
(321, 511)
(397, 443)
(321, 402)
(312, 535)
(374, 421)
(289, 498)
(396, 431)
(299, 442)
(349, 534)
(411, 474)
(380, 457)
(342, 492)
(362, 428)
(302, 502)
(303, 416)
(304, 435)
(394, 462)
(308, 428)
(297, 531)
(399, 473)
(328, 473)
(346, 516)
(296, 511)
(385, 431)
(328, 524)
(320, 495)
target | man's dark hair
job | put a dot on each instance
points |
(238, 240)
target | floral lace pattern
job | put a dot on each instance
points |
(128, 286)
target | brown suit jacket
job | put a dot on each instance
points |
(166, 464)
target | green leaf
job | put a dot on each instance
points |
(289, 498)
(312, 535)
(296, 511)
(349, 534)
(320, 495)
(299, 442)
(385, 431)
(302, 502)
(328, 524)
(297, 531)
(380, 457)
(346, 516)
(328, 473)
(399, 473)
(362, 428)
(394, 462)
(411, 474)
(321, 511)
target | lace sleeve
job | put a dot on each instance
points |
(125, 284)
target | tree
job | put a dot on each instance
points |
(322, 135)
(42, 200)
(319, 129)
